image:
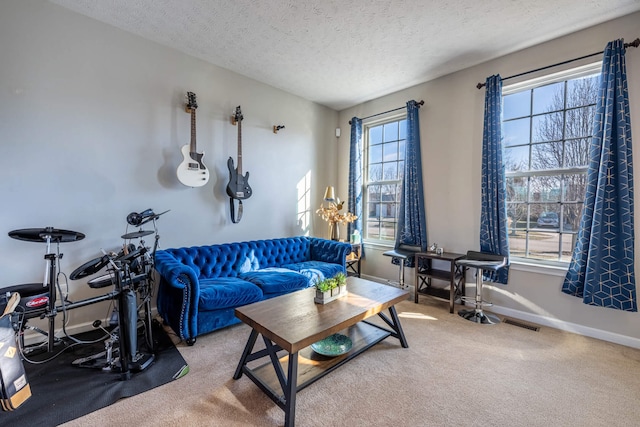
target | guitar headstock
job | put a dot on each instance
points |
(191, 101)
(237, 117)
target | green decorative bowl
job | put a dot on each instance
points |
(333, 345)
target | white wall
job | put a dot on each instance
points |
(451, 134)
(91, 124)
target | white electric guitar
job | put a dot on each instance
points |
(192, 172)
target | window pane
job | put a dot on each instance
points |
(389, 193)
(579, 122)
(373, 229)
(516, 158)
(398, 191)
(574, 187)
(548, 98)
(546, 215)
(515, 132)
(518, 244)
(572, 213)
(375, 153)
(374, 193)
(375, 172)
(390, 151)
(401, 149)
(387, 230)
(403, 129)
(390, 171)
(516, 217)
(400, 171)
(568, 243)
(544, 245)
(546, 156)
(388, 211)
(373, 210)
(375, 135)
(548, 127)
(576, 152)
(517, 189)
(583, 91)
(545, 188)
(391, 131)
(516, 105)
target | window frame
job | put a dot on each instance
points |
(530, 84)
(367, 183)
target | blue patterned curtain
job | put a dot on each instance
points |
(355, 178)
(601, 271)
(493, 219)
(412, 225)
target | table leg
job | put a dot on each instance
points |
(247, 351)
(290, 391)
(398, 327)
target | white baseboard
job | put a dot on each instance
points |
(568, 326)
(32, 337)
(552, 323)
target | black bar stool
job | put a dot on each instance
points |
(406, 254)
(480, 261)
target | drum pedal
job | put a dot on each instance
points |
(142, 361)
(89, 361)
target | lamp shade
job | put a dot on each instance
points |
(329, 194)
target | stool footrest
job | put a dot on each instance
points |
(479, 317)
(473, 301)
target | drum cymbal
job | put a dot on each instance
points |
(136, 234)
(44, 234)
(90, 267)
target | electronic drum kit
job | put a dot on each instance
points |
(128, 273)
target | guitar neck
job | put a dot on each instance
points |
(192, 145)
(239, 147)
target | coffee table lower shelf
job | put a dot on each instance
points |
(313, 366)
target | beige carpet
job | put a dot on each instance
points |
(454, 373)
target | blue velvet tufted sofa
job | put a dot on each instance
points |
(201, 286)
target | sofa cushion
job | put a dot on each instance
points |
(315, 270)
(275, 280)
(224, 292)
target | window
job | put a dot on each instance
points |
(547, 126)
(384, 167)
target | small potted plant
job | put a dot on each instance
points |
(331, 288)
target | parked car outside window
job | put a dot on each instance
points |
(548, 219)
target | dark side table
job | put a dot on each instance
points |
(431, 266)
(353, 261)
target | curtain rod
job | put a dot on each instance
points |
(420, 103)
(634, 43)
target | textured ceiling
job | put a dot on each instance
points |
(340, 53)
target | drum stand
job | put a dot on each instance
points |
(121, 348)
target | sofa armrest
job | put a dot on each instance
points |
(178, 295)
(329, 251)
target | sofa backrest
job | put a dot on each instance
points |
(232, 259)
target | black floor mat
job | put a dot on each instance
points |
(62, 392)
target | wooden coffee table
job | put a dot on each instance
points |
(292, 322)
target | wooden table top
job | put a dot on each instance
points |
(294, 321)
